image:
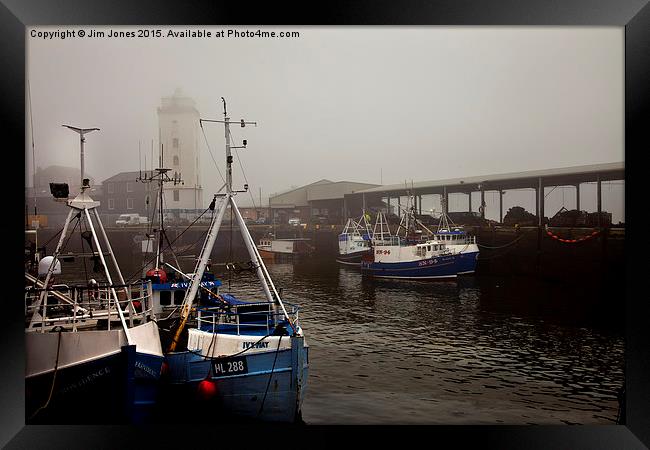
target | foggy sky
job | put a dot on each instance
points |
(367, 104)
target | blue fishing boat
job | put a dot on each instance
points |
(417, 253)
(241, 359)
(93, 352)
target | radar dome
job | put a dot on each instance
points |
(45, 263)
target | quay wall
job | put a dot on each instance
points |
(504, 251)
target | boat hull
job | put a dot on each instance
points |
(441, 267)
(271, 389)
(99, 391)
(282, 257)
(99, 378)
(353, 259)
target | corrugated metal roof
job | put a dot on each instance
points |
(335, 190)
(504, 177)
(319, 190)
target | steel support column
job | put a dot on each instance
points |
(540, 202)
(599, 195)
(482, 208)
(500, 205)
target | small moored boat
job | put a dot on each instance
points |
(354, 241)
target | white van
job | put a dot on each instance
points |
(130, 219)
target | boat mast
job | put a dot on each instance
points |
(161, 178)
(83, 204)
(227, 199)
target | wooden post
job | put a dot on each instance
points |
(470, 201)
(578, 196)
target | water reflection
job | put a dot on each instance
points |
(388, 351)
(471, 351)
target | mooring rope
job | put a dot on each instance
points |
(270, 377)
(502, 246)
(56, 369)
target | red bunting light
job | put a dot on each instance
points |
(572, 241)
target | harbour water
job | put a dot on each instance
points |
(498, 350)
(471, 351)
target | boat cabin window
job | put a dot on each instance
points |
(165, 298)
(178, 296)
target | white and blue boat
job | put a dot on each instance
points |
(418, 253)
(354, 241)
(93, 351)
(241, 359)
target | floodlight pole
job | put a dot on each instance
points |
(82, 139)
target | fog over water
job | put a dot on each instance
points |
(367, 104)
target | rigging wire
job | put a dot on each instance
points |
(210, 152)
(31, 125)
(132, 277)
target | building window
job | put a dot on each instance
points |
(175, 160)
(110, 188)
(176, 195)
(111, 203)
(129, 203)
(129, 187)
(175, 143)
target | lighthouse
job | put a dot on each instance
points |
(178, 124)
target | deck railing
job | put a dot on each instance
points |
(261, 316)
(80, 305)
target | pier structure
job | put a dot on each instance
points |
(538, 180)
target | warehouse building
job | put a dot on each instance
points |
(321, 201)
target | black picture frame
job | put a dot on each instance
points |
(634, 15)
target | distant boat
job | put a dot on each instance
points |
(354, 241)
(242, 359)
(419, 253)
(93, 352)
(285, 250)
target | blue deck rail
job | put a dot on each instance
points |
(245, 318)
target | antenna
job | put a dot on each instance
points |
(229, 147)
(82, 131)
